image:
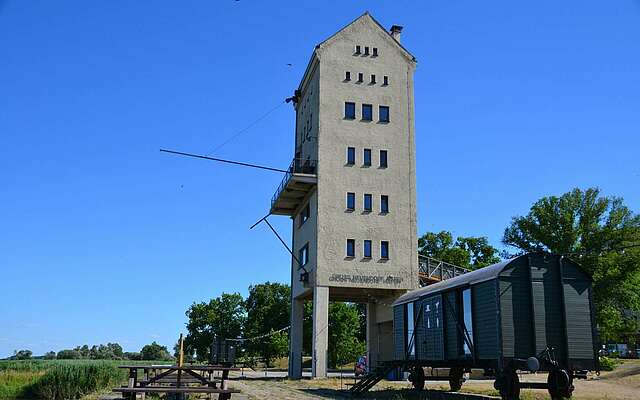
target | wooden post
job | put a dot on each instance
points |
(181, 358)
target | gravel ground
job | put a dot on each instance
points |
(621, 384)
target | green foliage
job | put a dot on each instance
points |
(223, 316)
(14, 384)
(601, 234)
(72, 381)
(22, 355)
(608, 364)
(69, 355)
(154, 351)
(468, 252)
(344, 327)
(50, 355)
(268, 306)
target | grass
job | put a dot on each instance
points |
(60, 379)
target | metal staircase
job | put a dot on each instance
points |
(370, 379)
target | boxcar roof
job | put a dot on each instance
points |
(480, 275)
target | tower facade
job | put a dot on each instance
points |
(351, 190)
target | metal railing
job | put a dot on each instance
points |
(298, 166)
(433, 269)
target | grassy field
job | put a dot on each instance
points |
(60, 379)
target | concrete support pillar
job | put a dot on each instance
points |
(320, 335)
(295, 339)
(373, 347)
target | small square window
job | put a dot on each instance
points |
(351, 201)
(375, 52)
(384, 114)
(349, 110)
(373, 79)
(351, 155)
(351, 248)
(347, 76)
(383, 159)
(366, 249)
(366, 50)
(367, 157)
(385, 80)
(384, 249)
(384, 204)
(360, 77)
(368, 202)
(303, 255)
(367, 112)
(358, 49)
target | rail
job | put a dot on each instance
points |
(298, 166)
(435, 270)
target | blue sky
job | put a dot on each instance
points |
(103, 238)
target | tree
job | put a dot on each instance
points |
(69, 355)
(598, 232)
(22, 354)
(154, 351)
(132, 355)
(468, 252)
(344, 326)
(268, 307)
(50, 355)
(223, 317)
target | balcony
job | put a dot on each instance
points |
(299, 180)
(431, 270)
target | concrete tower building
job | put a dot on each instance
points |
(351, 190)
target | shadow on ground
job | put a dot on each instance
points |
(404, 394)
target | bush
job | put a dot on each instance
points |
(608, 364)
(72, 381)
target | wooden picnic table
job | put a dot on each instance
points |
(178, 379)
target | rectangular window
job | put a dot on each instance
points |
(303, 255)
(351, 155)
(385, 80)
(305, 214)
(373, 79)
(347, 76)
(351, 201)
(384, 249)
(410, 339)
(375, 51)
(351, 248)
(367, 157)
(360, 76)
(366, 50)
(468, 319)
(384, 203)
(368, 202)
(384, 113)
(367, 112)
(358, 49)
(383, 159)
(367, 248)
(349, 110)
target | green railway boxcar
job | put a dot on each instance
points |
(531, 312)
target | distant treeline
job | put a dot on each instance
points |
(109, 351)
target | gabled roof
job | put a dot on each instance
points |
(366, 14)
(382, 28)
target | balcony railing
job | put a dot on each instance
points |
(298, 166)
(431, 270)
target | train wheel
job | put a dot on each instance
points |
(456, 378)
(560, 384)
(416, 377)
(508, 384)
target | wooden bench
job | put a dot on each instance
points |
(223, 394)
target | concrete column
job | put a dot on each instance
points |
(373, 347)
(295, 339)
(320, 335)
